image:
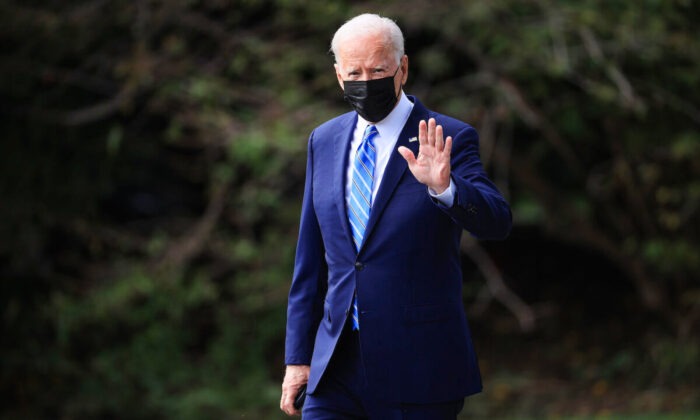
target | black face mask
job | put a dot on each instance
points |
(372, 99)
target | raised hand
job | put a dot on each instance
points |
(432, 166)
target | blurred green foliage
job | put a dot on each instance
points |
(153, 158)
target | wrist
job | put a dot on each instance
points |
(439, 189)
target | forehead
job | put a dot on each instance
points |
(367, 51)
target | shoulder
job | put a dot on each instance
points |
(464, 136)
(450, 125)
(325, 131)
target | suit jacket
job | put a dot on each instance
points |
(414, 338)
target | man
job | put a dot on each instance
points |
(375, 322)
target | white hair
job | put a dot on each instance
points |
(370, 24)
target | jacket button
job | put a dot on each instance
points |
(359, 266)
(347, 311)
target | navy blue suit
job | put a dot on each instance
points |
(414, 339)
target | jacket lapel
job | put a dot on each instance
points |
(395, 167)
(341, 146)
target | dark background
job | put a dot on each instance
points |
(153, 153)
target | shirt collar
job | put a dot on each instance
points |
(393, 123)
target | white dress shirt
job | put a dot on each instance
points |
(388, 131)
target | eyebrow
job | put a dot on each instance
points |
(354, 69)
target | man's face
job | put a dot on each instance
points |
(367, 58)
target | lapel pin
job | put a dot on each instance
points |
(412, 139)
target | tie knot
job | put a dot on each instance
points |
(370, 131)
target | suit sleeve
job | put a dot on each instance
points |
(478, 206)
(309, 282)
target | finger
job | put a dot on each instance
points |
(448, 146)
(408, 155)
(290, 410)
(423, 133)
(288, 402)
(431, 131)
(283, 403)
(439, 144)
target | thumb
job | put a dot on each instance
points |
(407, 154)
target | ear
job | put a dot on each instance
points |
(404, 69)
(337, 74)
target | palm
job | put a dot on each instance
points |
(432, 165)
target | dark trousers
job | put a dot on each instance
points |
(342, 393)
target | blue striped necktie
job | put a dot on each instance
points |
(361, 196)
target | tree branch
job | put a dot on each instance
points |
(193, 241)
(496, 287)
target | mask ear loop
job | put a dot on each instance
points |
(401, 86)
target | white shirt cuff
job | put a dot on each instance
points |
(446, 197)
